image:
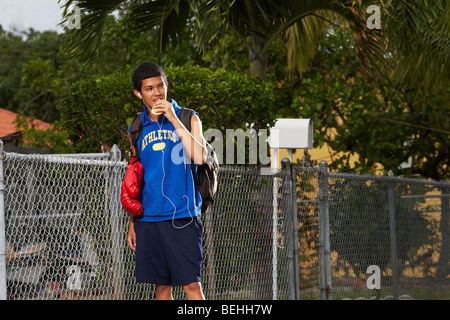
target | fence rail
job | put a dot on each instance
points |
(298, 233)
(398, 225)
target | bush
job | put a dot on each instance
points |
(224, 100)
(98, 110)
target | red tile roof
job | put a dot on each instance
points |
(7, 125)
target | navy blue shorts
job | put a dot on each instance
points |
(167, 255)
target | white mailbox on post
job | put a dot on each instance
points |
(290, 134)
(285, 134)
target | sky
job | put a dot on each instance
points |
(40, 15)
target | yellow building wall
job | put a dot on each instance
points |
(322, 153)
(316, 155)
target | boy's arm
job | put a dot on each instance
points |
(194, 142)
(131, 238)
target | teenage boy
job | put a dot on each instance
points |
(167, 236)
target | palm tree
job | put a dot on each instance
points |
(257, 23)
(419, 33)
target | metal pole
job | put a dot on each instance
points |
(275, 232)
(208, 221)
(324, 234)
(393, 236)
(114, 210)
(287, 187)
(295, 234)
(3, 294)
(442, 264)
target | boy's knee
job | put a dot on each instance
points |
(163, 292)
(194, 291)
(194, 286)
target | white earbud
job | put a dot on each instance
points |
(139, 95)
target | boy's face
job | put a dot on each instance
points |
(152, 90)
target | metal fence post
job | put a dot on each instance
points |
(442, 266)
(393, 238)
(3, 294)
(289, 228)
(114, 211)
(324, 234)
(210, 252)
(295, 233)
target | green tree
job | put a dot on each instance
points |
(376, 122)
(17, 49)
(419, 33)
(54, 139)
(258, 24)
(11, 55)
(50, 70)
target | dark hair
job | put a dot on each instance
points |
(147, 70)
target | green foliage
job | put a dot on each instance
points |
(391, 121)
(54, 139)
(37, 68)
(420, 37)
(16, 50)
(98, 110)
(224, 100)
(380, 122)
(259, 25)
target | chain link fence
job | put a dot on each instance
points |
(296, 233)
(65, 232)
(390, 235)
(64, 236)
(371, 237)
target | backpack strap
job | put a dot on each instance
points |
(135, 132)
(185, 118)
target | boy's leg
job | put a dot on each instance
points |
(163, 292)
(184, 254)
(194, 291)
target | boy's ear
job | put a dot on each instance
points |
(138, 94)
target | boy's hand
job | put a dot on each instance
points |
(164, 106)
(131, 238)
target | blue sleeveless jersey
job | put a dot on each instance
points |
(169, 191)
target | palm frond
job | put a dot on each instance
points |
(265, 21)
(93, 15)
(371, 45)
(170, 16)
(209, 21)
(420, 33)
(302, 38)
(307, 21)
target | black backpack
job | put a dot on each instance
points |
(206, 178)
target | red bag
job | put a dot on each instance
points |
(131, 188)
